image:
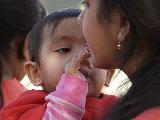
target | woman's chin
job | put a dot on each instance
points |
(96, 63)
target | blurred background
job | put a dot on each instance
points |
(53, 5)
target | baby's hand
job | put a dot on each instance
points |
(72, 68)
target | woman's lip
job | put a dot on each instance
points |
(86, 74)
(89, 50)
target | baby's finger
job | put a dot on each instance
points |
(83, 55)
(74, 65)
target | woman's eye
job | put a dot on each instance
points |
(85, 4)
(63, 50)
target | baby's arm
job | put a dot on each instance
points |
(68, 101)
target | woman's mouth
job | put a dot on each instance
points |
(89, 50)
(86, 74)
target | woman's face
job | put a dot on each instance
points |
(100, 34)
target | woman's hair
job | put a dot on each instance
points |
(16, 20)
(143, 17)
(51, 22)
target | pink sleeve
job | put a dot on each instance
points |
(68, 101)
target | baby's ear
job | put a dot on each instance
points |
(32, 71)
(109, 76)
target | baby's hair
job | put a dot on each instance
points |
(52, 21)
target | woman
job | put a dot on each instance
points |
(16, 20)
(128, 31)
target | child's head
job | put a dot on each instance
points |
(52, 44)
(17, 19)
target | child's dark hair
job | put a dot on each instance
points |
(16, 20)
(52, 21)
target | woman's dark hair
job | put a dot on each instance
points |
(143, 17)
(16, 20)
(51, 21)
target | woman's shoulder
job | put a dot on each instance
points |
(150, 114)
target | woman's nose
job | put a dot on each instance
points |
(81, 16)
(87, 63)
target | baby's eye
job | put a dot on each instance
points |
(63, 50)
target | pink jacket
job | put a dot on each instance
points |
(68, 101)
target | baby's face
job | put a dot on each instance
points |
(57, 51)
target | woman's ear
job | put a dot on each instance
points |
(32, 71)
(109, 76)
(124, 26)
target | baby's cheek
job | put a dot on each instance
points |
(51, 81)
